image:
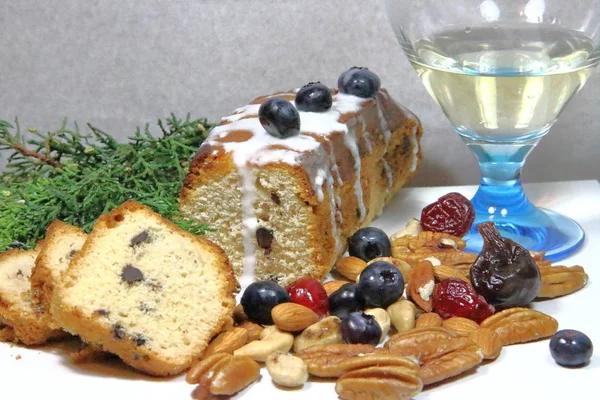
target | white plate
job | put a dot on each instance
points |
(521, 372)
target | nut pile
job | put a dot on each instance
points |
(400, 319)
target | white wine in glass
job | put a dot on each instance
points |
(502, 72)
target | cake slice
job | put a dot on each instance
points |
(7, 333)
(145, 290)
(283, 208)
(25, 323)
(61, 243)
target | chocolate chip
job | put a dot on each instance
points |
(140, 238)
(19, 273)
(118, 331)
(145, 307)
(131, 275)
(406, 145)
(275, 198)
(264, 237)
(72, 253)
(139, 340)
(101, 312)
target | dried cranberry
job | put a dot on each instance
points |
(456, 298)
(309, 293)
(452, 213)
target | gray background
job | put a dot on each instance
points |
(122, 63)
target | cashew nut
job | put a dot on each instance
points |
(287, 370)
(434, 261)
(413, 228)
(402, 314)
(326, 331)
(271, 340)
(382, 318)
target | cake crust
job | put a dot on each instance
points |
(22, 321)
(61, 243)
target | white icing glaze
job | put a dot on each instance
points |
(415, 149)
(250, 154)
(388, 173)
(385, 128)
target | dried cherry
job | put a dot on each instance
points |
(452, 213)
(456, 298)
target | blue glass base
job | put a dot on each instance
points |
(536, 229)
(501, 199)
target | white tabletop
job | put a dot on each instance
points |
(521, 372)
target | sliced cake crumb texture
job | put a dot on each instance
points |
(146, 290)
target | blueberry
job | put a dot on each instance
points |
(279, 117)
(571, 348)
(369, 243)
(380, 284)
(259, 299)
(345, 300)
(360, 328)
(314, 97)
(360, 82)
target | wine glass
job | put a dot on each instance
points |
(503, 71)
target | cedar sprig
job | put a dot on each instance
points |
(76, 177)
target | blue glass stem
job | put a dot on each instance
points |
(500, 193)
(501, 199)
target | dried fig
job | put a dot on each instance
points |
(504, 273)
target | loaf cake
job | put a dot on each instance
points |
(23, 323)
(61, 243)
(145, 290)
(284, 208)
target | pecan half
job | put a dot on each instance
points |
(332, 360)
(441, 352)
(560, 280)
(448, 257)
(446, 271)
(422, 343)
(451, 364)
(430, 240)
(519, 325)
(396, 378)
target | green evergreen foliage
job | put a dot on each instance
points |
(76, 177)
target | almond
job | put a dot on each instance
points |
(332, 286)
(293, 317)
(254, 330)
(428, 319)
(350, 267)
(227, 342)
(489, 342)
(460, 325)
(421, 285)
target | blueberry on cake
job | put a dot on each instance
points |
(61, 243)
(294, 174)
(20, 320)
(145, 290)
